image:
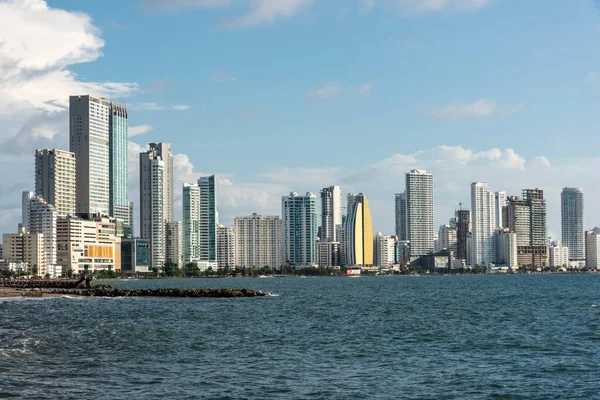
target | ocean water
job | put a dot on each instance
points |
(447, 337)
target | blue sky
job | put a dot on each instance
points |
(287, 95)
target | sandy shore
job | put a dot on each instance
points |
(10, 292)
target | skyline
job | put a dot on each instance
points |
(517, 115)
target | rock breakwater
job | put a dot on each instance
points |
(192, 293)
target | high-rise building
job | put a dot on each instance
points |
(225, 247)
(350, 199)
(191, 223)
(341, 237)
(299, 219)
(208, 218)
(89, 127)
(401, 216)
(463, 222)
(500, 197)
(331, 212)
(25, 247)
(359, 247)
(26, 208)
(156, 205)
(592, 248)
(258, 241)
(572, 223)
(526, 216)
(385, 250)
(42, 219)
(173, 253)
(447, 238)
(483, 208)
(118, 154)
(55, 179)
(506, 248)
(419, 212)
(328, 254)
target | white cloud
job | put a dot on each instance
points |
(181, 107)
(37, 45)
(480, 108)
(268, 11)
(259, 12)
(157, 107)
(426, 6)
(139, 130)
(326, 92)
(541, 161)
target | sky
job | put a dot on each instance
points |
(275, 96)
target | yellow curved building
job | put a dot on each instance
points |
(360, 238)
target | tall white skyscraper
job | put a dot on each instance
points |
(98, 138)
(191, 223)
(331, 212)
(299, 218)
(55, 179)
(208, 218)
(400, 215)
(572, 223)
(155, 199)
(258, 241)
(419, 212)
(500, 197)
(483, 213)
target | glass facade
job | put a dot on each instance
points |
(119, 199)
(299, 217)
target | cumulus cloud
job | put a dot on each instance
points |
(138, 130)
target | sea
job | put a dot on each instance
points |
(396, 337)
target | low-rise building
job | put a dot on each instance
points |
(135, 256)
(88, 244)
(28, 248)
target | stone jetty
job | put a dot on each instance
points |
(104, 291)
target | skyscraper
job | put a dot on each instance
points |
(55, 179)
(226, 247)
(191, 223)
(419, 212)
(331, 212)
(384, 250)
(119, 195)
(359, 248)
(89, 128)
(526, 216)
(463, 220)
(401, 216)
(42, 219)
(26, 209)
(258, 241)
(572, 223)
(156, 198)
(483, 207)
(500, 197)
(173, 243)
(208, 218)
(299, 219)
